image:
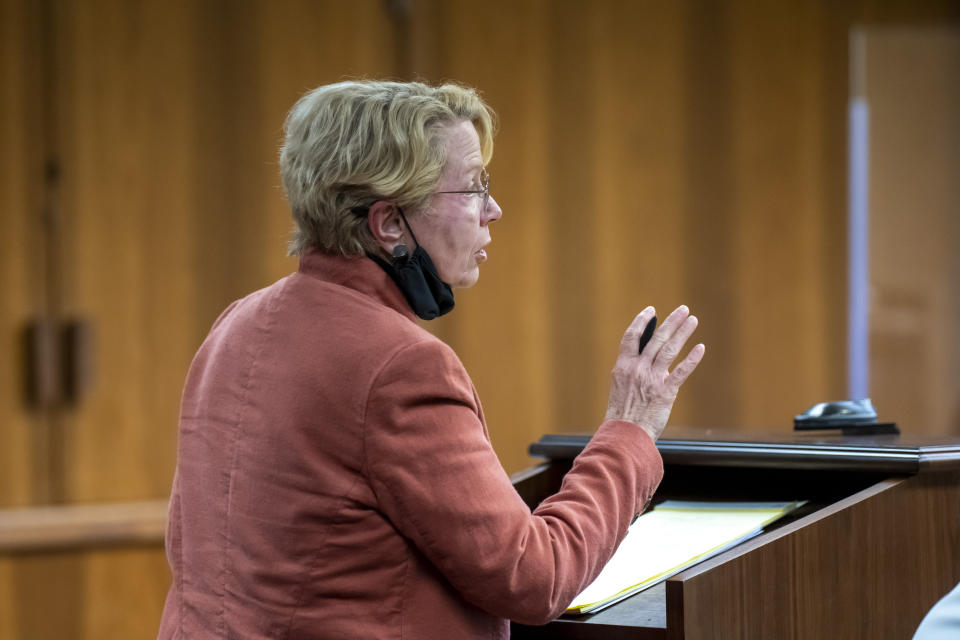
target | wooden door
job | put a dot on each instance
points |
(163, 120)
(21, 260)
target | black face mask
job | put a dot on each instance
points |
(417, 277)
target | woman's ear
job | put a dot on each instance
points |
(384, 222)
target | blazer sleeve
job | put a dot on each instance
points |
(437, 478)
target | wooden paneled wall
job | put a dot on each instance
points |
(658, 153)
(164, 119)
(170, 117)
(912, 87)
(19, 266)
(649, 153)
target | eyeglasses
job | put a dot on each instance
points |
(485, 191)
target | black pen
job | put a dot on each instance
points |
(647, 333)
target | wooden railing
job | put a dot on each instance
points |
(51, 528)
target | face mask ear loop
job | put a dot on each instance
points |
(417, 242)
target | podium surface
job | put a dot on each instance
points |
(876, 545)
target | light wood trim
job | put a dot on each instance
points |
(93, 525)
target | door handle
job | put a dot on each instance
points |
(58, 362)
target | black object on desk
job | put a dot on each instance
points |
(852, 417)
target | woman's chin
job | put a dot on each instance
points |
(467, 279)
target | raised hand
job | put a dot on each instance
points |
(644, 388)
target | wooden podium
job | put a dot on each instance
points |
(877, 544)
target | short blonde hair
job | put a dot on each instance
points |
(349, 144)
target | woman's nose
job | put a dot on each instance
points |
(493, 212)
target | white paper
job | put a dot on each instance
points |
(673, 536)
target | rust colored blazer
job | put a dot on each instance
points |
(335, 479)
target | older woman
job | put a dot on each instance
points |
(335, 477)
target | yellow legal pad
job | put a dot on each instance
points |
(671, 537)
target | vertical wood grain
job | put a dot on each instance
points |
(831, 577)
(779, 238)
(167, 143)
(15, 104)
(171, 123)
(684, 155)
(499, 328)
(710, 220)
(94, 594)
(636, 175)
(913, 96)
(8, 615)
(301, 45)
(129, 587)
(23, 443)
(127, 125)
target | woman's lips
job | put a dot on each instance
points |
(481, 255)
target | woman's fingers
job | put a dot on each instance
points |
(630, 343)
(643, 388)
(665, 331)
(683, 370)
(671, 349)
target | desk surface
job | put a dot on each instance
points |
(785, 450)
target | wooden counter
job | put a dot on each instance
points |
(875, 547)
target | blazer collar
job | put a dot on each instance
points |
(359, 273)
